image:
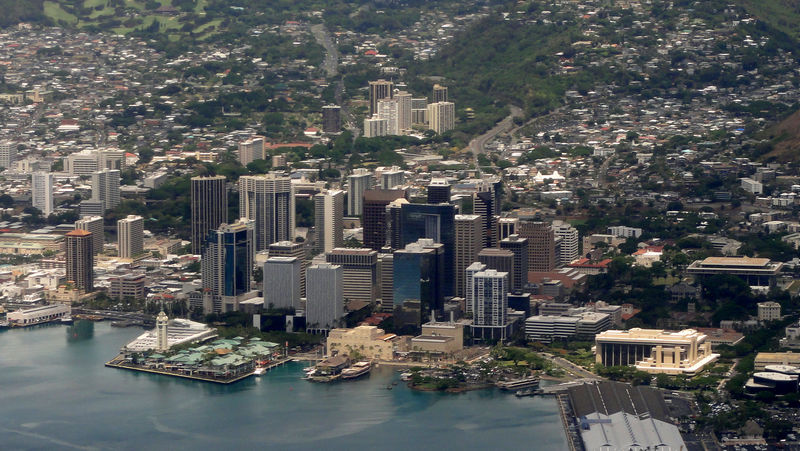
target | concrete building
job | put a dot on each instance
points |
(8, 154)
(329, 211)
(379, 90)
(94, 224)
(296, 250)
(765, 359)
(359, 274)
(541, 245)
(227, 266)
(37, 315)
(81, 163)
(625, 232)
(357, 183)
(486, 204)
(439, 191)
(386, 282)
(655, 351)
(519, 248)
(105, 188)
(500, 260)
(268, 200)
(568, 249)
(209, 208)
(368, 342)
(80, 260)
(42, 192)
(507, 227)
(769, 311)
(251, 149)
(583, 325)
(442, 338)
(490, 305)
(441, 116)
(752, 186)
(469, 286)
(468, 243)
(373, 219)
(376, 126)
(282, 282)
(759, 273)
(130, 236)
(392, 178)
(439, 93)
(331, 119)
(127, 286)
(324, 301)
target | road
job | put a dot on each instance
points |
(323, 38)
(570, 368)
(478, 145)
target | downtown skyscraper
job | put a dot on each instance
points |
(209, 208)
(268, 200)
(227, 267)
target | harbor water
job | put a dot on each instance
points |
(55, 393)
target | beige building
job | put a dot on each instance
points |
(368, 341)
(769, 311)
(655, 350)
(763, 359)
(439, 338)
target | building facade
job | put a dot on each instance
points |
(209, 208)
(324, 301)
(130, 236)
(329, 212)
(94, 224)
(80, 260)
(357, 182)
(655, 351)
(227, 266)
(268, 201)
(468, 242)
(42, 192)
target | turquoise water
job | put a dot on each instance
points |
(55, 393)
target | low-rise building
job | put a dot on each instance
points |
(369, 342)
(769, 311)
(764, 359)
(655, 350)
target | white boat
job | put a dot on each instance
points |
(259, 371)
(358, 369)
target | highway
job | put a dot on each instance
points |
(323, 38)
(478, 145)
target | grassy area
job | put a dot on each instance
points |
(54, 11)
(781, 14)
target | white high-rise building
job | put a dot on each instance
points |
(324, 300)
(8, 154)
(268, 200)
(490, 304)
(568, 248)
(282, 282)
(42, 192)
(441, 116)
(328, 215)
(251, 149)
(130, 236)
(469, 285)
(81, 163)
(403, 100)
(387, 109)
(93, 224)
(357, 182)
(392, 177)
(375, 126)
(105, 187)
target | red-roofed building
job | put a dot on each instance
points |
(590, 268)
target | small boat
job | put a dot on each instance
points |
(405, 376)
(66, 320)
(358, 369)
(525, 392)
(259, 371)
(389, 387)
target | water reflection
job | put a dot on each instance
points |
(81, 330)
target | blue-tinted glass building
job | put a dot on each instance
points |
(436, 222)
(418, 281)
(228, 265)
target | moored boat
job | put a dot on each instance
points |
(358, 369)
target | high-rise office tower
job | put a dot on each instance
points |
(359, 272)
(418, 282)
(519, 246)
(324, 301)
(490, 310)
(227, 266)
(541, 245)
(357, 182)
(484, 204)
(8, 154)
(403, 101)
(507, 227)
(209, 208)
(111, 159)
(130, 236)
(373, 219)
(568, 250)
(375, 126)
(386, 282)
(282, 282)
(331, 119)
(469, 295)
(269, 201)
(105, 187)
(328, 214)
(296, 250)
(93, 224)
(252, 149)
(392, 178)
(437, 222)
(419, 111)
(439, 93)
(80, 260)
(469, 242)
(394, 224)
(438, 191)
(42, 192)
(500, 260)
(379, 90)
(441, 116)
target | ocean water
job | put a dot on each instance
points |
(55, 393)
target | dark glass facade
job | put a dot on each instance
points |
(436, 222)
(417, 284)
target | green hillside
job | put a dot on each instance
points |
(15, 11)
(781, 14)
